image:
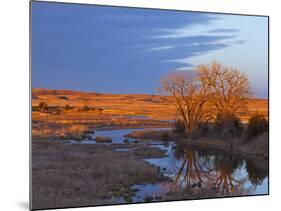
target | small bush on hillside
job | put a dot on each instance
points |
(62, 97)
(228, 125)
(257, 125)
(85, 108)
(67, 107)
(43, 106)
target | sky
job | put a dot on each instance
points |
(124, 50)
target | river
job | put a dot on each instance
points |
(191, 170)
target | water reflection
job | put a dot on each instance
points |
(224, 174)
(189, 172)
(225, 180)
(256, 176)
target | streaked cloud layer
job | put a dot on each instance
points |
(122, 50)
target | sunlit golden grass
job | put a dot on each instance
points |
(106, 110)
(116, 105)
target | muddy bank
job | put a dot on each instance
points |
(160, 135)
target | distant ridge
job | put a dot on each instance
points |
(43, 91)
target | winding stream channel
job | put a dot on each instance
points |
(193, 169)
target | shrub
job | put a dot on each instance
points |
(62, 97)
(228, 125)
(178, 126)
(43, 106)
(85, 108)
(257, 125)
(67, 107)
(202, 130)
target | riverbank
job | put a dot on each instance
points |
(257, 146)
(66, 175)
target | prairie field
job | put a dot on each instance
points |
(89, 137)
(117, 109)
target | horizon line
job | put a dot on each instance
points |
(110, 93)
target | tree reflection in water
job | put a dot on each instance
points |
(255, 175)
(216, 172)
(223, 178)
(189, 172)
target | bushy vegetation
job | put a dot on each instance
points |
(225, 126)
(178, 126)
(228, 125)
(63, 97)
(67, 107)
(203, 129)
(85, 108)
(257, 125)
(43, 106)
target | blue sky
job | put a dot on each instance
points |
(122, 50)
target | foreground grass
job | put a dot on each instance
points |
(65, 175)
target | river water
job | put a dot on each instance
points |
(191, 170)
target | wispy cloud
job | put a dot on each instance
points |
(184, 68)
(236, 42)
(197, 40)
(221, 43)
(193, 44)
(223, 31)
(181, 60)
(187, 60)
(160, 48)
(184, 32)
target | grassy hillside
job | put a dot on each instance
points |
(152, 106)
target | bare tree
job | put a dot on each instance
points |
(229, 88)
(214, 90)
(190, 97)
